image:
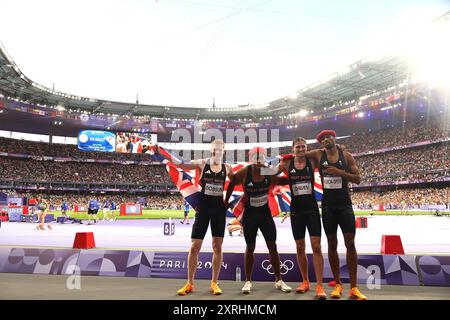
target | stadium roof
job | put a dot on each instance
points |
(360, 79)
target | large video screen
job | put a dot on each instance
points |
(96, 140)
(130, 142)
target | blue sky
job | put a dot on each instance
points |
(184, 53)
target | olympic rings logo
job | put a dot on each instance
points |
(285, 266)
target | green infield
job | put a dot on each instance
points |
(178, 214)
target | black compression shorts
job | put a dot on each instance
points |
(341, 216)
(300, 220)
(202, 219)
(258, 218)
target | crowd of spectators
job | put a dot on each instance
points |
(373, 140)
(149, 201)
(424, 164)
(170, 201)
(406, 164)
(402, 198)
(54, 171)
(411, 132)
(394, 137)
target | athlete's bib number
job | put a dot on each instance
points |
(332, 182)
(214, 190)
(302, 188)
(258, 201)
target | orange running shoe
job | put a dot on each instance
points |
(320, 293)
(337, 292)
(356, 294)
(215, 288)
(188, 288)
(303, 287)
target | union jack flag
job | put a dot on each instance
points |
(187, 182)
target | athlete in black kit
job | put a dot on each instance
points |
(304, 212)
(257, 215)
(211, 209)
(338, 168)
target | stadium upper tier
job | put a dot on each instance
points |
(375, 137)
(392, 108)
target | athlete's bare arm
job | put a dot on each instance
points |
(193, 164)
(353, 175)
(185, 165)
(229, 170)
(237, 179)
(314, 163)
(284, 165)
(279, 180)
(314, 154)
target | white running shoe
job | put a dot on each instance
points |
(282, 286)
(247, 287)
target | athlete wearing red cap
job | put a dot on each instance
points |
(337, 168)
(257, 215)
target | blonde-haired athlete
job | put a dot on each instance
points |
(211, 210)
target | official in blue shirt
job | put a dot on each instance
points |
(187, 207)
(93, 210)
(112, 213)
(64, 208)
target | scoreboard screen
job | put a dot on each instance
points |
(95, 140)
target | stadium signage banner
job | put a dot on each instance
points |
(94, 140)
(130, 209)
(373, 270)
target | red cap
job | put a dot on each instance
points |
(324, 133)
(288, 156)
(259, 150)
